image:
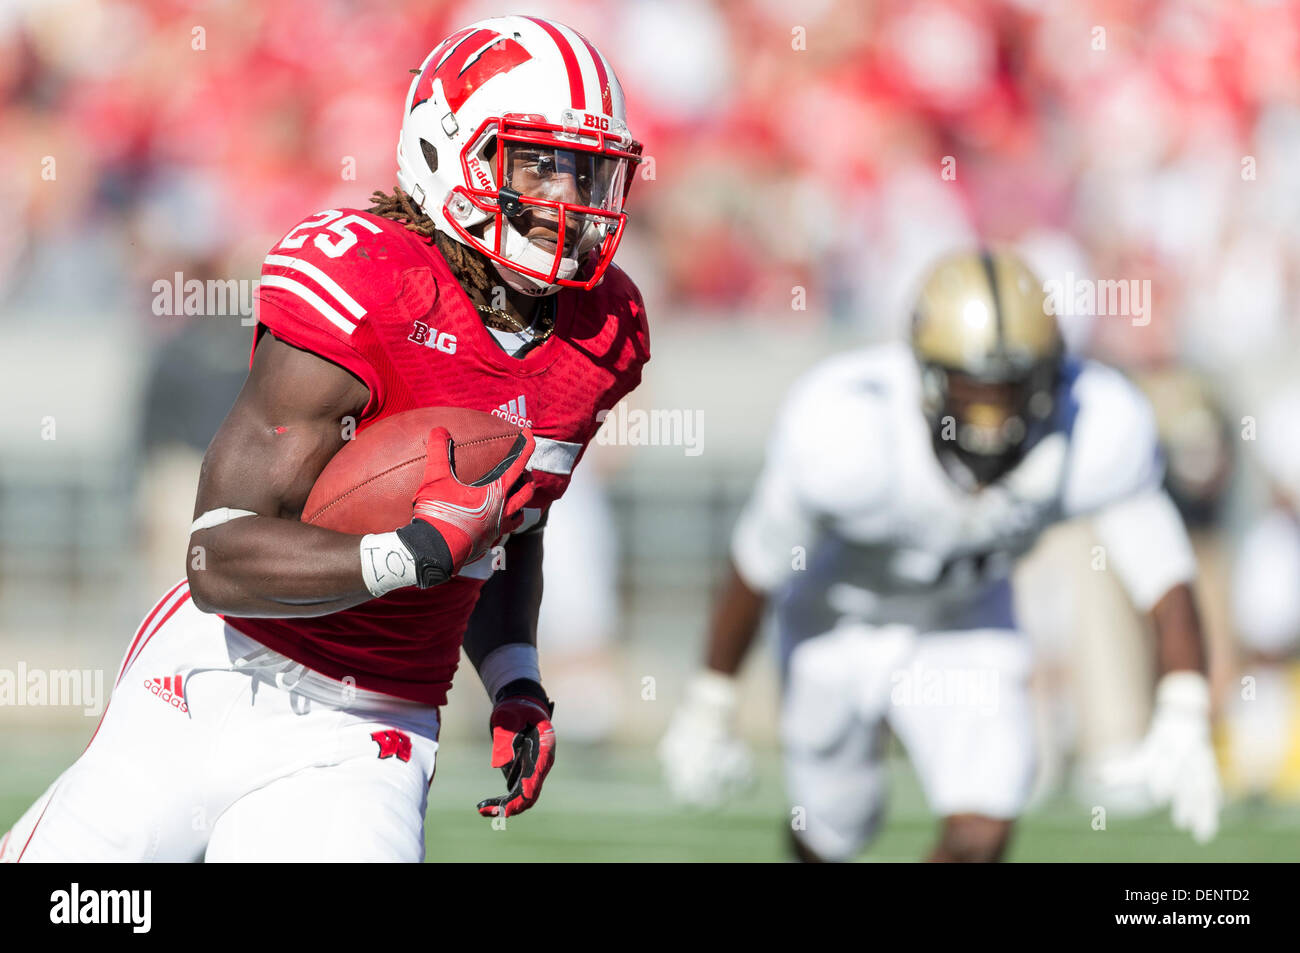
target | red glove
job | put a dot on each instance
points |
(523, 747)
(456, 523)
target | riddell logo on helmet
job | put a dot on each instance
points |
(421, 333)
(477, 168)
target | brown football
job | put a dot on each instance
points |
(369, 485)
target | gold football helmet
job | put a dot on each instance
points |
(990, 355)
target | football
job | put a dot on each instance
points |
(369, 485)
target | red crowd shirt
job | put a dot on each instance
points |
(373, 297)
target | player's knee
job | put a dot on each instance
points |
(972, 838)
(833, 838)
(803, 851)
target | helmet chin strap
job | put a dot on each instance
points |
(518, 248)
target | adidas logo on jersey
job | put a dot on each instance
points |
(169, 690)
(421, 333)
(513, 412)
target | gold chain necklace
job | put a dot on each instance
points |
(460, 258)
(502, 320)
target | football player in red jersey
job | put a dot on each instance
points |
(309, 674)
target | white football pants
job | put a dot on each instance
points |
(214, 747)
(958, 702)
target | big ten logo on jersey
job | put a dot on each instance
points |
(421, 333)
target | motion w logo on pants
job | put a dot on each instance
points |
(393, 743)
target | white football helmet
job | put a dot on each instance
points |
(515, 143)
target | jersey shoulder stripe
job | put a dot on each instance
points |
(322, 279)
(305, 294)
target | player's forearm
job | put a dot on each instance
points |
(482, 638)
(734, 625)
(507, 608)
(1180, 645)
(262, 566)
(501, 637)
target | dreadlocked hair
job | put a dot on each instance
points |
(470, 268)
(398, 206)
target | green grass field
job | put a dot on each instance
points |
(609, 806)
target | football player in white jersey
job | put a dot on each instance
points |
(899, 487)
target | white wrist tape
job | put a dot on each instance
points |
(1184, 691)
(386, 563)
(713, 690)
(218, 516)
(505, 663)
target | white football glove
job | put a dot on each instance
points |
(1175, 762)
(704, 763)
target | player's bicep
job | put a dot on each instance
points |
(290, 418)
(812, 473)
(1145, 543)
(774, 530)
(1115, 453)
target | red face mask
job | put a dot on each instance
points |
(557, 216)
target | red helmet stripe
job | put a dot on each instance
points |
(576, 92)
(424, 88)
(448, 46)
(606, 98)
(491, 53)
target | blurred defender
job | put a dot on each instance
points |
(897, 492)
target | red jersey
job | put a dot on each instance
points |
(375, 298)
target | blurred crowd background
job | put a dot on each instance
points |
(806, 165)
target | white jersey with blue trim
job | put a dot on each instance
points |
(854, 515)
